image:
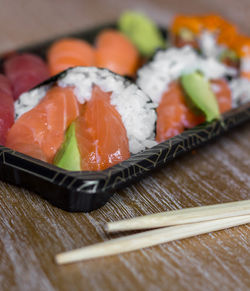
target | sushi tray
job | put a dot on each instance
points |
(75, 183)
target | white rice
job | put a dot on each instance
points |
(170, 64)
(209, 46)
(28, 100)
(240, 89)
(135, 107)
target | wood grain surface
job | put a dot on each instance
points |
(32, 231)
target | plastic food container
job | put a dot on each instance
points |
(86, 191)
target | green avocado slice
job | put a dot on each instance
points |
(68, 156)
(142, 31)
(199, 91)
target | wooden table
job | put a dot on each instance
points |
(32, 231)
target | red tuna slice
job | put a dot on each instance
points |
(25, 71)
(223, 94)
(100, 133)
(173, 115)
(6, 108)
(40, 132)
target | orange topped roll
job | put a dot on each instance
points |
(241, 45)
(224, 31)
(114, 51)
(70, 52)
(191, 23)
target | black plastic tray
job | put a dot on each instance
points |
(86, 191)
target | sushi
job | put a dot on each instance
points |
(114, 51)
(6, 108)
(187, 88)
(25, 71)
(142, 31)
(112, 118)
(69, 52)
(211, 34)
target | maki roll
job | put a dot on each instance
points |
(103, 116)
(187, 88)
(211, 35)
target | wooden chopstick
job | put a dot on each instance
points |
(148, 239)
(182, 216)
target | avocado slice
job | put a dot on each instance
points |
(199, 91)
(142, 31)
(68, 156)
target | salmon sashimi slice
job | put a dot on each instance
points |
(40, 131)
(70, 52)
(173, 114)
(114, 51)
(25, 71)
(100, 133)
(223, 94)
(6, 108)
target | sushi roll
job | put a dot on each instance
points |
(25, 71)
(103, 116)
(212, 35)
(187, 88)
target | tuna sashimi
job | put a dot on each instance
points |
(40, 131)
(101, 135)
(25, 71)
(6, 108)
(173, 115)
(223, 94)
(70, 52)
(116, 53)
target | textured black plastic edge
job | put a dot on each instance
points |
(86, 191)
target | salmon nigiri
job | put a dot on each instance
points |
(40, 131)
(70, 52)
(116, 52)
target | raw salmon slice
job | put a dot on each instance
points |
(70, 52)
(40, 131)
(173, 115)
(6, 108)
(25, 72)
(223, 94)
(101, 135)
(116, 52)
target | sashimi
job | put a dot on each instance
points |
(223, 94)
(40, 131)
(25, 71)
(6, 108)
(173, 114)
(114, 51)
(70, 52)
(101, 135)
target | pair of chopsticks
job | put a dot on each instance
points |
(172, 225)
